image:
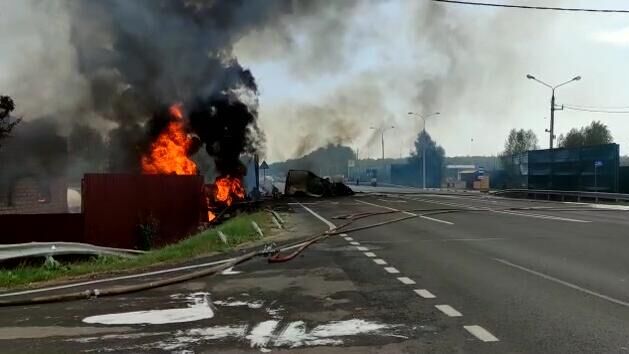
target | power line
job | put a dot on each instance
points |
(602, 108)
(574, 9)
(594, 110)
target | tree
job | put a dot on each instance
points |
(435, 157)
(6, 107)
(518, 142)
(596, 133)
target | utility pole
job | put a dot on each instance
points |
(382, 136)
(553, 107)
(423, 143)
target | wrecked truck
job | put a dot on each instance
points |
(306, 183)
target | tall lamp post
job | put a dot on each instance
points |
(552, 103)
(424, 118)
(382, 136)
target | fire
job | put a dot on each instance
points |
(169, 152)
(225, 190)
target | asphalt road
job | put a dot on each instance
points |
(540, 281)
(467, 274)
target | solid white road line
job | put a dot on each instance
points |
(406, 280)
(540, 216)
(380, 261)
(360, 248)
(481, 333)
(436, 220)
(407, 213)
(564, 283)
(354, 243)
(448, 310)
(385, 207)
(391, 270)
(537, 216)
(331, 226)
(370, 254)
(424, 293)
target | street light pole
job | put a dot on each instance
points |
(382, 136)
(423, 143)
(552, 103)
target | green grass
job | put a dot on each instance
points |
(238, 229)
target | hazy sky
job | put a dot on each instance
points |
(468, 62)
(328, 70)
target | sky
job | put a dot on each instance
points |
(467, 62)
(329, 71)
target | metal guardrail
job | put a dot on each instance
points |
(43, 249)
(563, 195)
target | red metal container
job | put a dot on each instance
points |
(115, 206)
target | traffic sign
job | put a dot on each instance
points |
(264, 166)
(351, 163)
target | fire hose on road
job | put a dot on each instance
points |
(274, 255)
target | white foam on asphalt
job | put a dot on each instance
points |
(448, 310)
(261, 336)
(481, 333)
(424, 293)
(380, 261)
(261, 333)
(406, 280)
(391, 270)
(199, 310)
(251, 305)
(370, 254)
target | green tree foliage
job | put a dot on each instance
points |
(435, 157)
(6, 107)
(596, 133)
(518, 142)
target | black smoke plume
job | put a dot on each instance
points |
(142, 56)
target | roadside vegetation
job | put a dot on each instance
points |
(238, 229)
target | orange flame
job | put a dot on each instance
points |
(225, 190)
(169, 152)
(228, 188)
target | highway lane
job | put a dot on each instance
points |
(538, 284)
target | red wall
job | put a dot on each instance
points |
(114, 205)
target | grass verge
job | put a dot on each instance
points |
(238, 229)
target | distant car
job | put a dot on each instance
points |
(374, 182)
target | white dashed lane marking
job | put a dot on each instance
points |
(354, 243)
(406, 280)
(481, 333)
(362, 248)
(477, 331)
(391, 270)
(448, 310)
(424, 293)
